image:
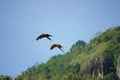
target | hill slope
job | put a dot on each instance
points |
(96, 60)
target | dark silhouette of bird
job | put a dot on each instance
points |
(44, 36)
(56, 45)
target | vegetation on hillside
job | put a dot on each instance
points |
(69, 65)
(80, 62)
(5, 77)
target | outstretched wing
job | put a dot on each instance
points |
(39, 37)
(53, 46)
(44, 36)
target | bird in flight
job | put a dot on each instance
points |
(44, 36)
(56, 45)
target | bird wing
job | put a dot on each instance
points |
(53, 46)
(44, 36)
(40, 37)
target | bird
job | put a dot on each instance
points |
(44, 36)
(56, 45)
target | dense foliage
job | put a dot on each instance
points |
(5, 77)
(69, 66)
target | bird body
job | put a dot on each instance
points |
(56, 45)
(44, 36)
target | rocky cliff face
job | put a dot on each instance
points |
(101, 68)
(118, 68)
(95, 68)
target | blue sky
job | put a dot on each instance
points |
(21, 21)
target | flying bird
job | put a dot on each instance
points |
(56, 45)
(44, 36)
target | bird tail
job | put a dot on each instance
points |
(61, 50)
(49, 38)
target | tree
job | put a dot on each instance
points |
(78, 46)
(5, 77)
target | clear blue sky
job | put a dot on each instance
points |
(21, 21)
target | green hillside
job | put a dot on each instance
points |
(97, 60)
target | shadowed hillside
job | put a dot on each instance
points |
(97, 60)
